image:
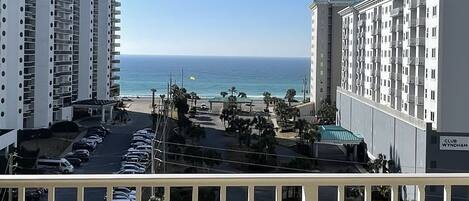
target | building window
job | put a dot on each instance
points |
(434, 11)
(434, 32)
(432, 95)
(432, 116)
(433, 52)
(433, 73)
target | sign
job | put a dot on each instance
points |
(454, 143)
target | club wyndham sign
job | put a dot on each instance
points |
(454, 143)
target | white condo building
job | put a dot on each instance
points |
(403, 76)
(55, 53)
(325, 48)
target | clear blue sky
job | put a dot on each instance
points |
(278, 28)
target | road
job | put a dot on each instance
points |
(106, 159)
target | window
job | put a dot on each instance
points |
(433, 73)
(426, 73)
(432, 95)
(434, 11)
(434, 32)
(433, 52)
(426, 93)
(432, 116)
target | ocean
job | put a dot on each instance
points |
(208, 76)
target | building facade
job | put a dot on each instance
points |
(325, 49)
(403, 73)
(55, 53)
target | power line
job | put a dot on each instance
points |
(199, 167)
(238, 162)
(261, 153)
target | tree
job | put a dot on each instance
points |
(302, 125)
(196, 132)
(223, 94)
(193, 96)
(242, 95)
(327, 112)
(312, 135)
(267, 99)
(232, 90)
(290, 96)
(162, 96)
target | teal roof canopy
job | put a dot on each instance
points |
(338, 135)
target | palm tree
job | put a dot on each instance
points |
(162, 96)
(223, 94)
(290, 96)
(232, 90)
(193, 96)
(267, 99)
(302, 125)
(242, 95)
(312, 135)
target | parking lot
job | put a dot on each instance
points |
(106, 159)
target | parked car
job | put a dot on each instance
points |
(61, 165)
(133, 163)
(140, 153)
(133, 167)
(145, 135)
(96, 132)
(119, 193)
(82, 145)
(99, 140)
(141, 148)
(75, 161)
(101, 128)
(132, 155)
(126, 99)
(203, 107)
(136, 144)
(92, 143)
(125, 190)
(127, 171)
(82, 154)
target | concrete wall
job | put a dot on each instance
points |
(453, 67)
(384, 133)
(8, 139)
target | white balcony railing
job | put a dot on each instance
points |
(310, 183)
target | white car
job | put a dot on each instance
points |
(133, 167)
(203, 106)
(122, 194)
(95, 138)
(136, 144)
(125, 190)
(146, 148)
(127, 171)
(133, 163)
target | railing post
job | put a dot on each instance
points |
(447, 193)
(367, 193)
(340, 193)
(138, 193)
(251, 193)
(195, 193)
(80, 193)
(421, 193)
(21, 194)
(51, 194)
(394, 193)
(278, 193)
(310, 193)
(222, 193)
(167, 193)
(109, 193)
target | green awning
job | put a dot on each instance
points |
(338, 135)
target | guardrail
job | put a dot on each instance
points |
(309, 183)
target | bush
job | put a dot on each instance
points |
(29, 134)
(64, 126)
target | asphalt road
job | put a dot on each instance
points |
(106, 159)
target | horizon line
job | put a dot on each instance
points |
(196, 55)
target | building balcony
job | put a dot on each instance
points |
(377, 45)
(412, 23)
(410, 98)
(377, 16)
(421, 81)
(420, 100)
(116, 12)
(361, 34)
(396, 28)
(396, 76)
(115, 77)
(376, 31)
(421, 2)
(116, 28)
(376, 59)
(411, 79)
(421, 22)
(361, 22)
(411, 42)
(115, 69)
(398, 44)
(309, 184)
(396, 60)
(396, 12)
(420, 41)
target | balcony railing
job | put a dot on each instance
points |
(309, 183)
(396, 12)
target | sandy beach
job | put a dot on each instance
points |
(143, 105)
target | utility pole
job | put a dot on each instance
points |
(305, 88)
(153, 107)
(182, 77)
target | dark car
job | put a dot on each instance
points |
(100, 128)
(76, 162)
(82, 154)
(96, 132)
(82, 145)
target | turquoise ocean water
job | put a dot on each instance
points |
(212, 75)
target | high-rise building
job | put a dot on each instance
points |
(325, 49)
(50, 53)
(404, 68)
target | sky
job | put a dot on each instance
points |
(261, 28)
